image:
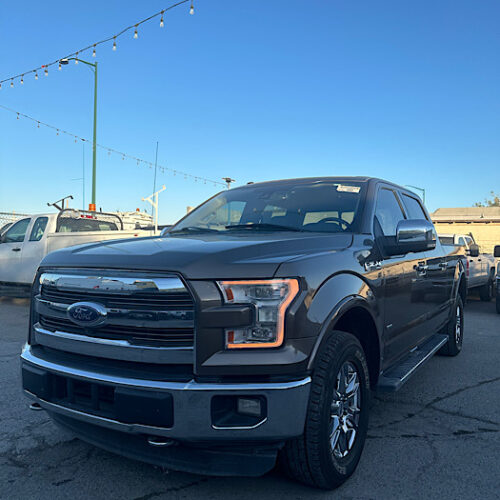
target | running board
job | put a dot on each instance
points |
(395, 377)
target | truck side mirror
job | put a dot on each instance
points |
(496, 251)
(415, 235)
(474, 250)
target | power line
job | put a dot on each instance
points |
(94, 45)
(76, 138)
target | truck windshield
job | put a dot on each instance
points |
(318, 206)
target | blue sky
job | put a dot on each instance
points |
(256, 90)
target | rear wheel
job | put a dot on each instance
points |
(337, 417)
(454, 330)
(486, 291)
(498, 302)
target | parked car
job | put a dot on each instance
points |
(24, 244)
(480, 266)
(497, 281)
(257, 327)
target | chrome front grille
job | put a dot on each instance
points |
(140, 310)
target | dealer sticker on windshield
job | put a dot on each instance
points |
(343, 188)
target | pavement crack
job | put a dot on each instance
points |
(173, 489)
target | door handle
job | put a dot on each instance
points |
(443, 266)
(16, 249)
(421, 268)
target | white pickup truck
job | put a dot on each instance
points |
(480, 266)
(26, 242)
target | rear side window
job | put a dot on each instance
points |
(17, 232)
(413, 208)
(38, 228)
(388, 212)
(82, 225)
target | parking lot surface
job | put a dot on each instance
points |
(436, 438)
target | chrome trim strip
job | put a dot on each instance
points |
(192, 385)
(121, 284)
(241, 428)
(98, 340)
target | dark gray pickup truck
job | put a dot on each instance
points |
(253, 331)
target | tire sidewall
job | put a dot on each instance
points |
(344, 467)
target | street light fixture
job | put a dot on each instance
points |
(92, 206)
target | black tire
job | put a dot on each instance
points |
(455, 339)
(310, 458)
(498, 302)
(486, 291)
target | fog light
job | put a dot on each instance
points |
(250, 407)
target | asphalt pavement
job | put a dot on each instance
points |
(436, 438)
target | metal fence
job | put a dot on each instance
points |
(9, 217)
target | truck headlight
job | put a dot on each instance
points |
(271, 299)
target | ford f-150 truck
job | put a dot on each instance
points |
(254, 330)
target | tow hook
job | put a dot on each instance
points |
(160, 441)
(35, 407)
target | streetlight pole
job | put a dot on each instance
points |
(418, 189)
(92, 206)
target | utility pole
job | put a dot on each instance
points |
(228, 181)
(92, 206)
(153, 200)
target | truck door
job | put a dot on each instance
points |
(436, 279)
(33, 249)
(475, 263)
(400, 312)
(10, 251)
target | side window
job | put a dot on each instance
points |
(38, 228)
(17, 232)
(461, 241)
(388, 212)
(413, 208)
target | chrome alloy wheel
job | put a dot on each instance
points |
(345, 410)
(458, 325)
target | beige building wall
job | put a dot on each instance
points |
(486, 234)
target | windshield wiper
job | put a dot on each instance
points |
(263, 225)
(193, 229)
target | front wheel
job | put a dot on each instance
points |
(454, 329)
(337, 417)
(498, 301)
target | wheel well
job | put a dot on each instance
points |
(359, 323)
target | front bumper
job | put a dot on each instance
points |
(188, 407)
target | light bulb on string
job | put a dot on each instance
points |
(93, 52)
(59, 67)
(36, 75)
(37, 124)
(22, 79)
(136, 35)
(11, 83)
(46, 72)
(57, 133)
(161, 20)
(114, 43)
(0, 86)
(17, 116)
(76, 58)
(191, 9)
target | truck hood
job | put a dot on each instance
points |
(204, 256)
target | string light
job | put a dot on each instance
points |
(0, 86)
(22, 80)
(162, 168)
(36, 75)
(12, 84)
(59, 67)
(46, 72)
(93, 46)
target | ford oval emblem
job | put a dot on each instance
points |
(87, 314)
